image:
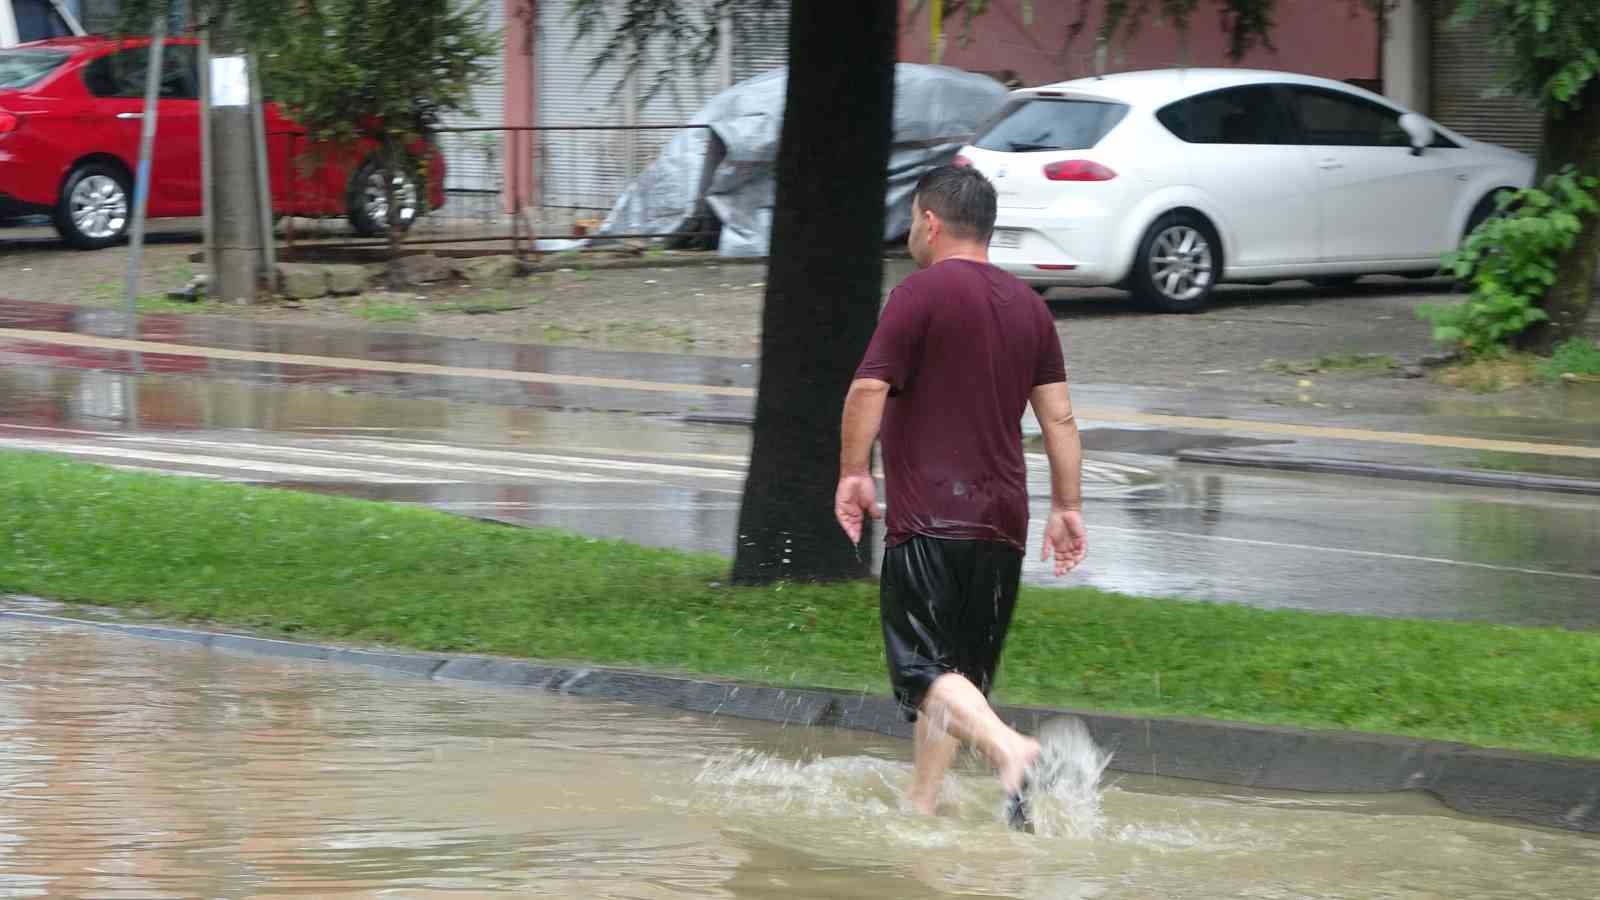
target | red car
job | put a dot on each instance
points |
(70, 111)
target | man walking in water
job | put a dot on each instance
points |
(960, 349)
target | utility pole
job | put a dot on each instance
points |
(236, 212)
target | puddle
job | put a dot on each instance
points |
(139, 769)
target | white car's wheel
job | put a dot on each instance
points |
(1178, 264)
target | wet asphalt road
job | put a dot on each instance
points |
(1158, 527)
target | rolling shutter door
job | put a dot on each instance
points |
(473, 168)
(1465, 71)
(761, 40)
(577, 169)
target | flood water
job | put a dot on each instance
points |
(133, 768)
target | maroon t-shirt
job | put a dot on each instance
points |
(962, 346)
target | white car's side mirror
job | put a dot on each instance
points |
(1419, 129)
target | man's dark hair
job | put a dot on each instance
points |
(962, 198)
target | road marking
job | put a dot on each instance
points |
(213, 462)
(1370, 554)
(367, 365)
(547, 459)
(379, 462)
(1103, 414)
(1337, 433)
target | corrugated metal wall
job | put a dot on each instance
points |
(1466, 72)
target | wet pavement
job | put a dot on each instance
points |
(140, 769)
(1158, 527)
(701, 387)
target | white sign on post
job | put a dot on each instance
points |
(230, 81)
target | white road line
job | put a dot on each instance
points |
(383, 462)
(1369, 554)
(545, 458)
(184, 473)
(587, 507)
(213, 462)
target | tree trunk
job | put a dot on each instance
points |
(235, 215)
(824, 284)
(392, 161)
(1571, 136)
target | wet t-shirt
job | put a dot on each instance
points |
(962, 345)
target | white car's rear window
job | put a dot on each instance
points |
(1029, 124)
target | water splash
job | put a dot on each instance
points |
(1071, 763)
(827, 786)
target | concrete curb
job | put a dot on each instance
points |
(1553, 791)
(1475, 477)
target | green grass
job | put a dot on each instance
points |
(387, 312)
(1338, 362)
(1576, 356)
(484, 306)
(343, 569)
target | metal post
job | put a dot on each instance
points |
(258, 128)
(141, 184)
(207, 197)
(725, 52)
(516, 192)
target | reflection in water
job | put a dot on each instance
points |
(136, 769)
(1264, 539)
(1339, 544)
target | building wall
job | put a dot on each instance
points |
(1332, 38)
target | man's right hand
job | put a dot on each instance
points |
(1066, 539)
(855, 500)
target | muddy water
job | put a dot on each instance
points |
(140, 769)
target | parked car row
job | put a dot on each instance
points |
(1168, 182)
(71, 112)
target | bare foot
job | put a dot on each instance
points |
(1018, 756)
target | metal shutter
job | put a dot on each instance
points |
(577, 169)
(1465, 69)
(760, 40)
(589, 170)
(473, 168)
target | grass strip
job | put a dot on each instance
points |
(342, 569)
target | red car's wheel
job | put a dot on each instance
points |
(369, 200)
(93, 210)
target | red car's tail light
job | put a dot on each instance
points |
(1078, 170)
(9, 123)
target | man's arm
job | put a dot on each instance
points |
(857, 496)
(1064, 536)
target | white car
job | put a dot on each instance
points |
(1167, 182)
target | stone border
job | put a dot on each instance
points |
(1367, 469)
(1558, 792)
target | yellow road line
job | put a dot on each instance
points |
(1100, 414)
(1336, 433)
(365, 365)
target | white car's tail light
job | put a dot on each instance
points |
(1078, 170)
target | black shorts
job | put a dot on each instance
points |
(945, 606)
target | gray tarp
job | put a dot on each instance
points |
(727, 171)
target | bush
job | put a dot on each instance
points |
(1577, 356)
(1509, 261)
